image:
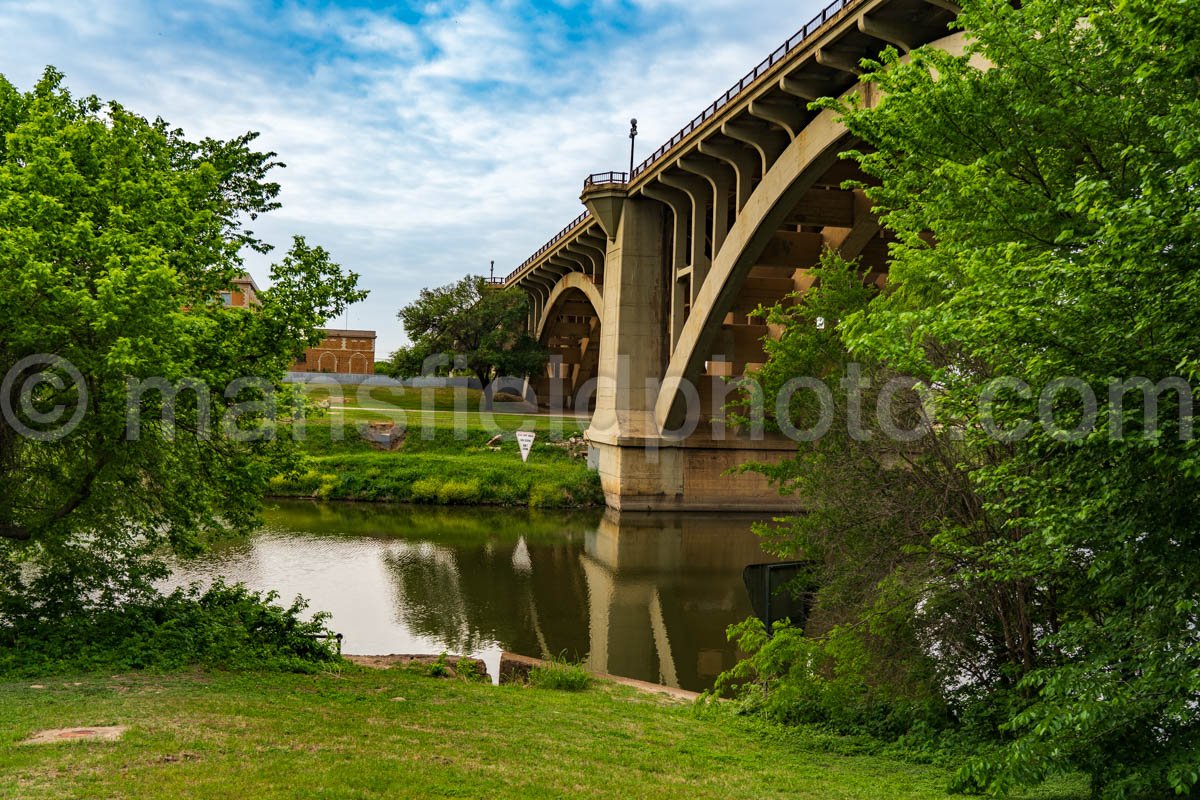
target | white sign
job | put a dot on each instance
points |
(525, 440)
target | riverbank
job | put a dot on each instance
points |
(446, 452)
(358, 732)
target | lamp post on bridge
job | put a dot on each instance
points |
(632, 141)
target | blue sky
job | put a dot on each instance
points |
(422, 139)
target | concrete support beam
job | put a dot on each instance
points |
(768, 140)
(718, 176)
(840, 60)
(864, 229)
(699, 191)
(591, 259)
(680, 204)
(825, 207)
(791, 251)
(745, 166)
(558, 265)
(886, 32)
(577, 262)
(806, 88)
(539, 288)
(680, 286)
(788, 116)
(597, 244)
(576, 308)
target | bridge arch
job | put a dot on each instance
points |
(809, 156)
(569, 327)
(571, 282)
(806, 159)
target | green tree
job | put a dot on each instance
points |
(472, 323)
(1059, 184)
(871, 489)
(117, 236)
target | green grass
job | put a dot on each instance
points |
(396, 396)
(445, 459)
(371, 734)
(559, 673)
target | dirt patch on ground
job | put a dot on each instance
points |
(515, 668)
(109, 733)
(454, 664)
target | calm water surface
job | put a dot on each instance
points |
(646, 596)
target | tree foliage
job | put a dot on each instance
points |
(1054, 571)
(470, 325)
(117, 235)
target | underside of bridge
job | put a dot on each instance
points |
(645, 301)
(570, 329)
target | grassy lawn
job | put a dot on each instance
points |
(446, 457)
(363, 733)
(394, 396)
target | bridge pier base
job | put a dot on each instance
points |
(653, 474)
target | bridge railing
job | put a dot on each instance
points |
(547, 245)
(597, 178)
(830, 11)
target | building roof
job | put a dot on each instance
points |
(346, 333)
(246, 278)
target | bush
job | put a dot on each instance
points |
(543, 495)
(425, 490)
(439, 668)
(792, 679)
(558, 673)
(454, 492)
(223, 626)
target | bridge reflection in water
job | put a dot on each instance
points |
(643, 595)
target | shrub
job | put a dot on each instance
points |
(439, 668)
(425, 490)
(548, 495)
(558, 673)
(222, 626)
(454, 492)
(792, 679)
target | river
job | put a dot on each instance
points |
(640, 595)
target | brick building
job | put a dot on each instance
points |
(242, 294)
(344, 351)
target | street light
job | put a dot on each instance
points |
(632, 142)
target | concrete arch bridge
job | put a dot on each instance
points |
(643, 299)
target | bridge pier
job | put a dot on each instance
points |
(643, 467)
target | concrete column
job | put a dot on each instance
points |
(633, 332)
(699, 190)
(680, 294)
(717, 175)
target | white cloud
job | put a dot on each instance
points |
(417, 150)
